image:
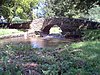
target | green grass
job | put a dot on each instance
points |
(9, 31)
(89, 52)
(55, 30)
(81, 58)
(91, 34)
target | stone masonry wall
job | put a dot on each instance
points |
(68, 25)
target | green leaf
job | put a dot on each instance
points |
(19, 73)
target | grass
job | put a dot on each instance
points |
(90, 50)
(91, 34)
(55, 30)
(9, 31)
(81, 58)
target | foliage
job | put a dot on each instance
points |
(91, 34)
(18, 20)
(68, 8)
(9, 68)
(93, 14)
(22, 8)
(77, 58)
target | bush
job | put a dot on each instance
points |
(18, 20)
(91, 34)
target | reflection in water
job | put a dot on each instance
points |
(35, 42)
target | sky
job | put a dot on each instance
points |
(39, 9)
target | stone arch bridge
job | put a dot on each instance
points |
(69, 26)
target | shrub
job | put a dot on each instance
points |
(91, 34)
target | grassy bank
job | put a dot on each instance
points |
(9, 31)
(82, 58)
(91, 34)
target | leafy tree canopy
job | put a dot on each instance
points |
(22, 8)
(69, 8)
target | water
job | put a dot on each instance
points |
(36, 42)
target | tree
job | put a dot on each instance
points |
(22, 8)
(68, 8)
(93, 14)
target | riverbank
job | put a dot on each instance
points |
(81, 58)
(76, 58)
(12, 33)
(9, 31)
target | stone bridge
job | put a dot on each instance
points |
(69, 26)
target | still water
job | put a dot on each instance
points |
(36, 42)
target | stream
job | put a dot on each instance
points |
(37, 42)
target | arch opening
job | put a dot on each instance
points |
(55, 29)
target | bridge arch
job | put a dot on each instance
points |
(55, 30)
(69, 26)
(47, 29)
